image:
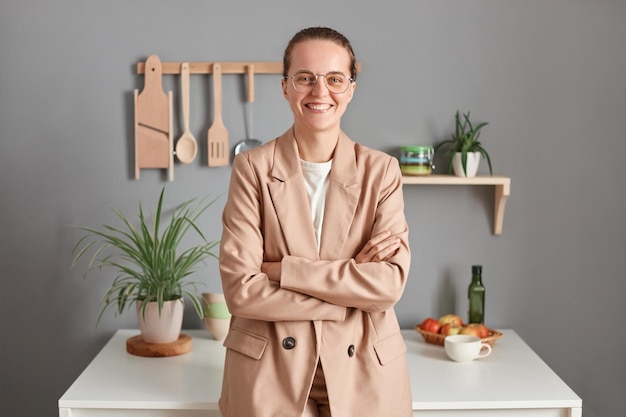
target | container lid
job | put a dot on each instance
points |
(477, 269)
(416, 148)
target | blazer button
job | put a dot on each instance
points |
(289, 343)
(351, 351)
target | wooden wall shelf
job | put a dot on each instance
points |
(502, 191)
(262, 67)
(227, 67)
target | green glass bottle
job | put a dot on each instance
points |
(476, 296)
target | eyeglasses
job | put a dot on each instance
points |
(305, 81)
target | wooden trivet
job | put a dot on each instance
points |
(136, 346)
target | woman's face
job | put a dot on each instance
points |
(318, 110)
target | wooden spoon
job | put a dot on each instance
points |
(186, 147)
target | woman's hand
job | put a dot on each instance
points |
(379, 248)
(272, 269)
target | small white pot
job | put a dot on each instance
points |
(473, 159)
(163, 328)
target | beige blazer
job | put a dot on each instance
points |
(326, 307)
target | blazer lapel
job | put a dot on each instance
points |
(342, 199)
(290, 199)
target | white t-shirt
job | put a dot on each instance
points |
(316, 180)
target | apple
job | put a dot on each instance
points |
(451, 318)
(475, 329)
(483, 331)
(430, 325)
(449, 328)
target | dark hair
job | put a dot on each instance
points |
(319, 33)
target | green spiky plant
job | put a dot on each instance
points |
(464, 140)
(146, 257)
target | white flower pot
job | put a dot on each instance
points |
(473, 159)
(163, 328)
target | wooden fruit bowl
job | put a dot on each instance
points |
(437, 338)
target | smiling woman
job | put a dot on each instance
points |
(312, 294)
(318, 106)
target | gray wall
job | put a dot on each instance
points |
(549, 76)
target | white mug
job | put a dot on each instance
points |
(465, 348)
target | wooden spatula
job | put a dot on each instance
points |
(218, 134)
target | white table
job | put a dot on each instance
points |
(512, 381)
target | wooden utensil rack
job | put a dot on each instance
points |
(153, 124)
(227, 67)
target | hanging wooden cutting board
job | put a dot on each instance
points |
(154, 143)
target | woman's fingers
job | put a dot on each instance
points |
(385, 249)
(379, 248)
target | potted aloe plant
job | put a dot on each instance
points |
(464, 148)
(151, 269)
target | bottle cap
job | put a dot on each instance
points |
(477, 269)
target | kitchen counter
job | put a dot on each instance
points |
(513, 380)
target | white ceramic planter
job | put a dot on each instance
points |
(473, 159)
(163, 328)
